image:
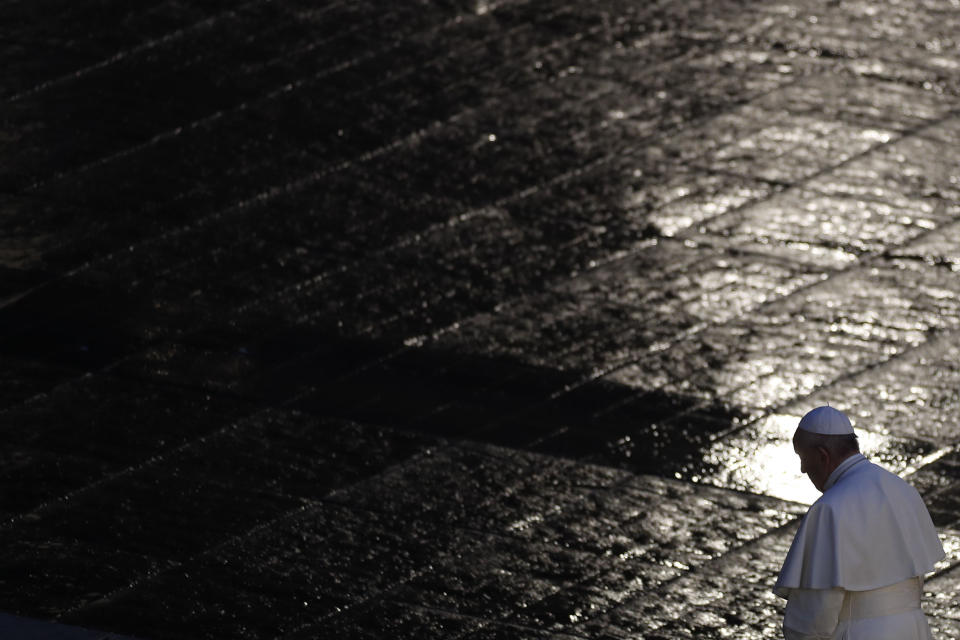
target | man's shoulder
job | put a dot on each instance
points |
(865, 477)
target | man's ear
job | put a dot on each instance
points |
(823, 454)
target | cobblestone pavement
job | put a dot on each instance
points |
(463, 319)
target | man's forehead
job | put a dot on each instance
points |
(802, 440)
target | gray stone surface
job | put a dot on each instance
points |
(469, 319)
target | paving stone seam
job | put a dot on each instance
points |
(945, 489)
(151, 44)
(359, 370)
(309, 179)
(126, 53)
(306, 507)
(412, 137)
(873, 199)
(783, 187)
(932, 261)
(600, 566)
(285, 89)
(557, 394)
(162, 456)
(385, 591)
(916, 83)
(941, 572)
(723, 558)
(778, 185)
(304, 181)
(870, 262)
(694, 235)
(411, 237)
(845, 377)
(898, 137)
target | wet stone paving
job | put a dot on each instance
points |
(475, 319)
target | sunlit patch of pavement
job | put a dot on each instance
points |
(760, 458)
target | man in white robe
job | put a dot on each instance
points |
(855, 569)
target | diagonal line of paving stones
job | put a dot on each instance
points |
(234, 540)
(313, 177)
(604, 567)
(470, 216)
(171, 39)
(697, 329)
(413, 138)
(746, 205)
(149, 45)
(612, 489)
(296, 513)
(566, 176)
(868, 263)
(666, 623)
(298, 84)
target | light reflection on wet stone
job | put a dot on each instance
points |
(913, 396)
(760, 458)
(466, 319)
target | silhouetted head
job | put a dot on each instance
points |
(823, 440)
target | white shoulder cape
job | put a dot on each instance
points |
(869, 530)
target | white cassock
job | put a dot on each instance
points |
(856, 566)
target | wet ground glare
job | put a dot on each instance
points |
(462, 319)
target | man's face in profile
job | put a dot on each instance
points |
(814, 463)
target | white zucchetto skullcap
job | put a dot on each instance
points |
(826, 420)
